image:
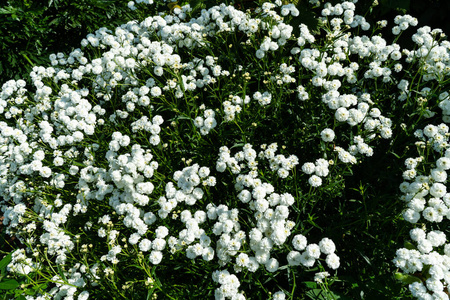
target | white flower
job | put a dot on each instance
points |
(437, 238)
(145, 245)
(411, 215)
(327, 135)
(58, 161)
(39, 155)
(279, 296)
(299, 242)
(313, 251)
(134, 238)
(308, 168)
(84, 295)
(272, 265)
(443, 163)
(161, 232)
(332, 261)
(432, 215)
(242, 260)
(341, 114)
(307, 261)
(315, 181)
(438, 190)
(155, 91)
(327, 246)
(45, 172)
(245, 196)
(155, 257)
(260, 53)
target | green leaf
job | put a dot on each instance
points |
(406, 279)
(311, 284)
(9, 284)
(316, 294)
(30, 292)
(409, 245)
(319, 294)
(5, 261)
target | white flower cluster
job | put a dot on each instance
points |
(150, 126)
(305, 36)
(279, 32)
(278, 162)
(444, 105)
(426, 193)
(426, 196)
(432, 53)
(132, 4)
(312, 252)
(50, 142)
(234, 106)
(263, 99)
(229, 285)
(20, 263)
(271, 211)
(432, 256)
(188, 181)
(347, 10)
(403, 23)
(284, 76)
(207, 122)
(55, 238)
(51, 136)
(68, 288)
(320, 169)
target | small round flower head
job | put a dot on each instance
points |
(155, 257)
(439, 175)
(411, 215)
(438, 190)
(315, 181)
(332, 261)
(308, 168)
(425, 246)
(417, 288)
(272, 265)
(161, 232)
(299, 242)
(327, 246)
(327, 135)
(313, 251)
(145, 245)
(242, 260)
(279, 296)
(443, 163)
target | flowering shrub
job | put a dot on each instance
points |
(188, 154)
(426, 265)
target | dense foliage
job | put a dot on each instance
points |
(31, 30)
(231, 151)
